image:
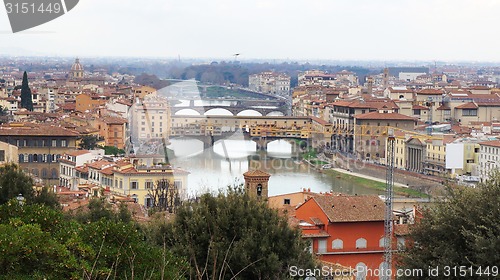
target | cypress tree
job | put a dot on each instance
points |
(26, 97)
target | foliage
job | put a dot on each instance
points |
(112, 150)
(232, 236)
(88, 142)
(14, 182)
(98, 209)
(47, 197)
(39, 242)
(164, 196)
(463, 230)
(26, 96)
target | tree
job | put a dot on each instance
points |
(26, 97)
(463, 230)
(39, 242)
(112, 150)
(13, 182)
(164, 196)
(88, 142)
(232, 236)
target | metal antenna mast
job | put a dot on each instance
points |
(388, 222)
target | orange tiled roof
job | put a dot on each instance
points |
(383, 116)
(256, 173)
(351, 208)
(469, 105)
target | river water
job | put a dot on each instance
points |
(225, 163)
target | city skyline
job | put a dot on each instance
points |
(296, 30)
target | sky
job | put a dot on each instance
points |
(411, 30)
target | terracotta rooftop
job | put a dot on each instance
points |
(418, 107)
(494, 143)
(384, 116)
(351, 208)
(256, 173)
(430, 92)
(36, 130)
(469, 105)
(99, 164)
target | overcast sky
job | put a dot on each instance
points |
(443, 30)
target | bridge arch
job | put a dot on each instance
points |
(218, 112)
(187, 112)
(275, 113)
(250, 113)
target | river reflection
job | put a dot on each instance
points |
(225, 163)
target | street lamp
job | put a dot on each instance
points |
(20, 199)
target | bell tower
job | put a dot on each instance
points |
(257, 184)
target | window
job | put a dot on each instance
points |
(178, 184)
(361, 243)
(321, 246)
(286, 201)
(381, 242)
(360, 271)
(54, 143)
(469, 112)
(337, 244)
(134, 185)
(149, 184)
(259, 190)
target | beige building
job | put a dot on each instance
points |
(39, 147)
(150, 119)
(8, 153)
(370, 132)
(270, 82)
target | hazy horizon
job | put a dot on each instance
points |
(293, 30)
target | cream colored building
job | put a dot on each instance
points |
(8, 153)
(270, 82)
(150, 119)
(489, 158)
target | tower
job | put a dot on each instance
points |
(386, 77)
(76, 70)
(256, 184)
(369, 83)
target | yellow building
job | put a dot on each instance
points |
(435, 162)
(142, 91)
(139, 182)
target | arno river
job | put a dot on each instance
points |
(225, 163)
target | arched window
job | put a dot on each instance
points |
(49, 158)
(21, 158)
(53, 173)
(368, 155)
(367, 142)
(30, 158)
(259, 190)
(383, 270)
(35, 158)
(40, 158)
(381, 242)
(361, 243)
(337, 244)
(360, 271)
(44, 173)
(35, 172)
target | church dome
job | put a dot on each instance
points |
(77, 66)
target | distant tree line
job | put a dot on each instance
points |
(220, 73)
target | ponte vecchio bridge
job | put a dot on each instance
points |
(263, 129)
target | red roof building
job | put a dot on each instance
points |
(347, 230)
